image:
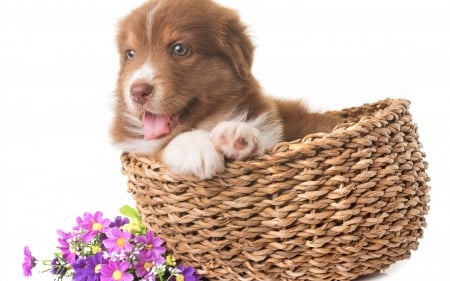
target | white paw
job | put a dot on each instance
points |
(193, 154)
(237, 140)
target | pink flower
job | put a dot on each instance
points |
(93, 224)
(116, 271)
(117, 241)
(28, 262)
(145, 264)
(67, 251)
(153, 248)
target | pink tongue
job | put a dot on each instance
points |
(155, 126)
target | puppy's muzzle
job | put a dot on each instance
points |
(140, 93)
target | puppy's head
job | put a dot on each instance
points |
(181, 62)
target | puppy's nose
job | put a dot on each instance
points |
(141, 92)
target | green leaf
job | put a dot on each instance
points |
(130, 212)
(136, 226)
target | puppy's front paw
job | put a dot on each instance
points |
(237, 140)
(193, 154)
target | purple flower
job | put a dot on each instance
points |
(119, 222)
(95, 262)
(78, 266)
(117, 241)
(188, 274)
(88, 269)
(152, 246)
(92, 224)
(116, 271)
(29, 262)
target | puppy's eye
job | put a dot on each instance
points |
(180, 50)
(130, 53)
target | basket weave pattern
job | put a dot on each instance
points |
(328, 207)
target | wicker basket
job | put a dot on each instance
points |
(328, 207)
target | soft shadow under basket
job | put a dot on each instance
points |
(328, 207)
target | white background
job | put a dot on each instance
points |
(58, 66)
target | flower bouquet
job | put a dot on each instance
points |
(99, 249)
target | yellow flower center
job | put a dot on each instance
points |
(97, 268)
(117, 275)
(97, 226)
(170, 260)
(120, 242)
(179, 277)
(149, 246)
(148, 266)
(96, 249)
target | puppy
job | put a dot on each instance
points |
(186, 95)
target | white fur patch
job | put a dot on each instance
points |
(192, 153)
(151, 15)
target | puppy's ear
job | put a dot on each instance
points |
(237, 47)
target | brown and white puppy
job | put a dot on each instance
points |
(186, 95)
